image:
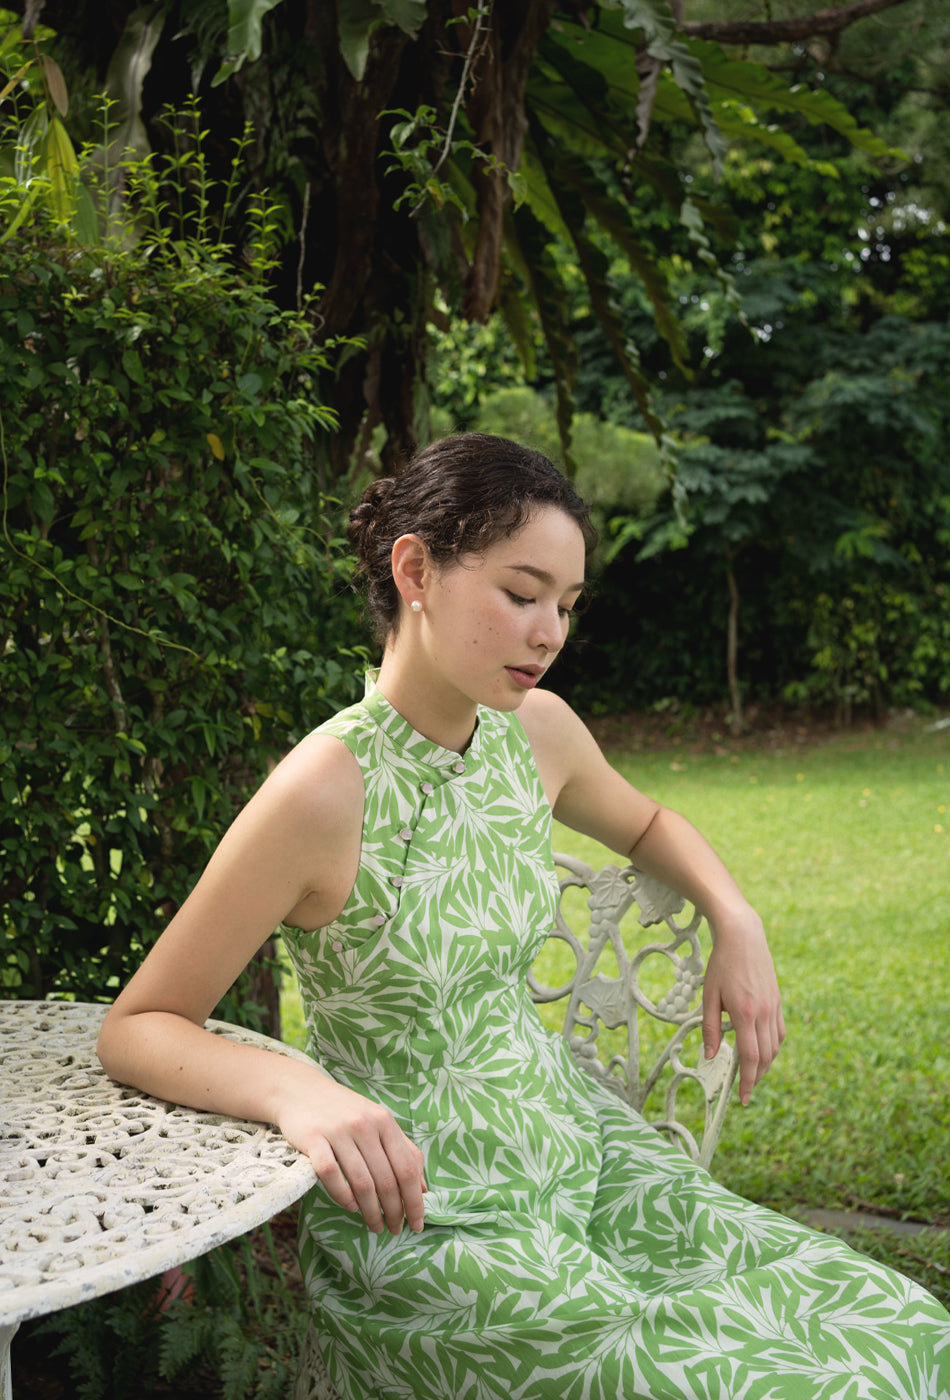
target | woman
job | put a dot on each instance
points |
(557, 1247)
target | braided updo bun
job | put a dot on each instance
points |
(460, 495)
(372, 544)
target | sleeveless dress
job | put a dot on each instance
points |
(569, 1252)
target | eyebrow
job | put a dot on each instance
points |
(543, 576)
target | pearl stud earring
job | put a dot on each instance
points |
(415, 605)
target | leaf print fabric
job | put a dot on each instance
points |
(569, 1252)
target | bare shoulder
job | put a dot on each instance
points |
(558, 737)
(298, 838)
(319, 778)
(291, 855)
(584, 790)
(544, 707)
(547, 719)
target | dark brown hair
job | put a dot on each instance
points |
(460, 495)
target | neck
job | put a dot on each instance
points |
(446, 719)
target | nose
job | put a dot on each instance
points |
(550, 629)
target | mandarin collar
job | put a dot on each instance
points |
(415, 745)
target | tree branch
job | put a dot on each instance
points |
(482, 13)
(786, 31)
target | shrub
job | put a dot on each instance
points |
(174, 608)
(617, 468)
(875, 645)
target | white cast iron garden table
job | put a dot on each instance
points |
(101, 1186)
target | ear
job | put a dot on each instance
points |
(412, 568)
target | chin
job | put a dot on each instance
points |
(506, 703)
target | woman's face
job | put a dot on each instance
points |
(492, 623)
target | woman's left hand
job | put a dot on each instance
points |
(741, 984)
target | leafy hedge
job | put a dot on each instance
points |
(174, 605)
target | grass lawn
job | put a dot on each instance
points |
(843, 845)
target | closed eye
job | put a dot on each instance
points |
(521, 602)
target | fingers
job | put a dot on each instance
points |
(712, 1026)
(758, 1041)
(748, 1048)
(759, 1034)
(740, 984)
(750, 1060)
(373, 1168)
(324, 1162)
(408, 1166)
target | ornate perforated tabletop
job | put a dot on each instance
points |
(102, 1186)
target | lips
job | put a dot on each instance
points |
(525, 676)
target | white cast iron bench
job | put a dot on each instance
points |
(633, 1020)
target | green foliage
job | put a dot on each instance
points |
(245, 19)
(619, 469)
(110, 1343)
(811, 438)
(756, 89)
(811, 455)
(418, 145)
(243, 1321)
(357, 19)
(239, 1321)
(600, 111)
(468, 362)
(587, 176)
(621, 265)
(874, 645)
(173, 604)
(39, 169)
(731, 489)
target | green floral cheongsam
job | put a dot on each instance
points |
(569, 1252)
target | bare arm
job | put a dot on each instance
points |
(590, 796)
(292, 853)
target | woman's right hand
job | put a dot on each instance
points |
(360, 1153)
